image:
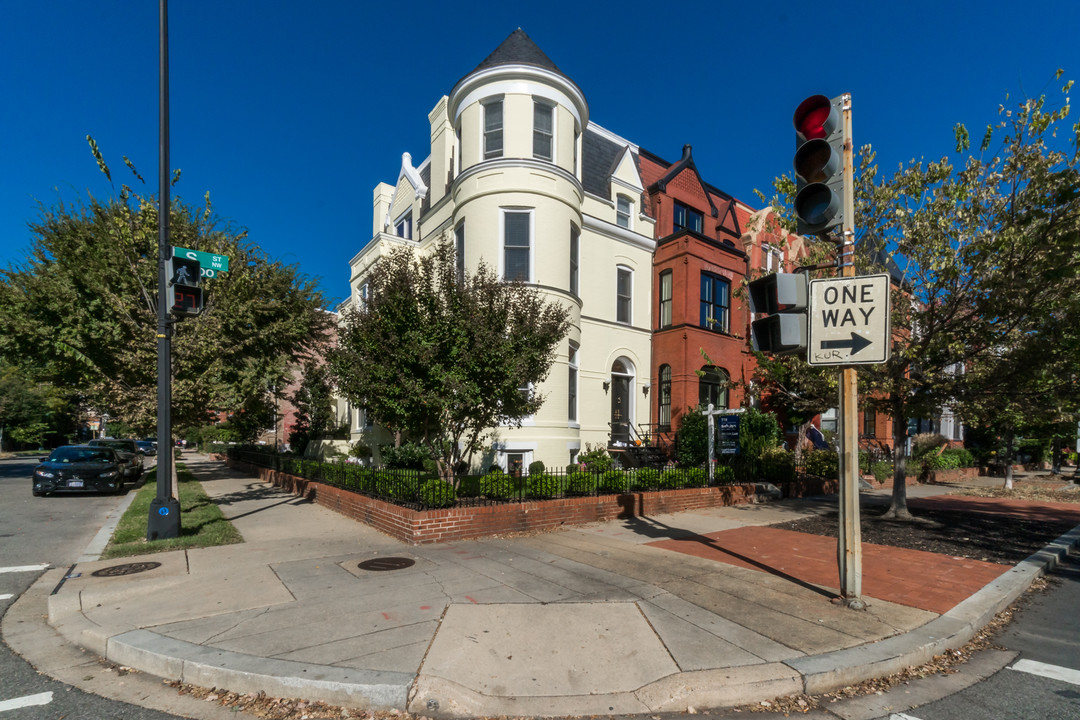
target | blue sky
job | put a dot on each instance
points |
(289, 113)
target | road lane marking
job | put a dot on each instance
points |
(902, 716)
(1054, 672)
(6, 596)
(26, 701)
(24, 568)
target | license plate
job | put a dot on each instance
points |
(75, 483)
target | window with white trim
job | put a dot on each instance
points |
(666, 281)
(771, 259)
(624, 282)
(575, 250)
(624, 209)
(517, 245)
(459, 251)
(493, 129)
(572, 383)
(543, 131)
(403, 226)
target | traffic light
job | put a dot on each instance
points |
(782, 297)
(185, 287)
(819, 165)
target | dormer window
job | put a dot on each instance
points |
(403, 227)
(624, 208)
(687, 218)
(543, 131)
(493, 129)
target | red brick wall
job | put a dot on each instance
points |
(430, 526)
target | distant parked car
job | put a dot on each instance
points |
(80, 468)
(148, 448)
(129, 452)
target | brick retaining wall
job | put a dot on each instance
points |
(429, 526)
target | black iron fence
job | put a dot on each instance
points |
(422, 490)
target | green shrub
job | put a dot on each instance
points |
(497, 485)
(397, 486)
(645, 479)
(435, 493)
(542, 485)
(759, 432)
(777, 465)
(882, 470)
(925, 443)
(536, 466)
(722, 475)
(670, 479)
(823, 463)
(596, 458)
(699, 477)
(580, 483)
(613, 481)
(692, 438)
(408, 456)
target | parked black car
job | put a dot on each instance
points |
(80, 468)
(129, 452)
(148, 448)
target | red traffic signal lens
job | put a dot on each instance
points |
(816, 118)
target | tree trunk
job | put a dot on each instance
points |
(898, 508)
(801, 441)
(1009, 460)
(1056, 457)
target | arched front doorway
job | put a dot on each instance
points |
(622, 412)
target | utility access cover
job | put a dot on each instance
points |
(849, 321)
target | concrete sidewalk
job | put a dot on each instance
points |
(701, 609)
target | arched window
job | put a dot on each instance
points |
(663, 414)
(713, 386)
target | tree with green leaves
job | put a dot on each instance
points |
(29, 411)
(982, 251)
(80, 311)
(443, 359)
(314, 403)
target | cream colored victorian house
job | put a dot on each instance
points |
(518, 177)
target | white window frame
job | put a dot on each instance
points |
(629, 214)
(574, 382)
(575, 259)
(619, 269)
(551, 137)
(404, 222)
(503, 212)
(501, 130)
(526, 461)
(772, 259)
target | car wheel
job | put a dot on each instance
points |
(38, 493)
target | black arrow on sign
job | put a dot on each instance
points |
(856, 343)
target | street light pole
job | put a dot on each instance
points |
(164, 519)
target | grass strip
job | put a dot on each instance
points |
(201, 521)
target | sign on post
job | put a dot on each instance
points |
(210, 264)
(849, 321)
(729, 434)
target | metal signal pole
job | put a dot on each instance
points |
(164, 520)
(849, 545)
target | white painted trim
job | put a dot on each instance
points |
(618, 140)
(615, 232)
(630, 270)
(522, 80)
(532, 240)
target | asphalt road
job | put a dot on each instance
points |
(1043, 683)
(35, 534)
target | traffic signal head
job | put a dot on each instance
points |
(184, 286)
(819, 165)
(782, 298)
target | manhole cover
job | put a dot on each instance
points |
(126, 569)
(388, 563)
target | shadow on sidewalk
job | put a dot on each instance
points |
(655, 529)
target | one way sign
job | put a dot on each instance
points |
(849, 321)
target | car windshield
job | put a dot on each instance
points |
(81, 454)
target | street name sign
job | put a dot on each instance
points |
(849, 321)
(209, 264)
